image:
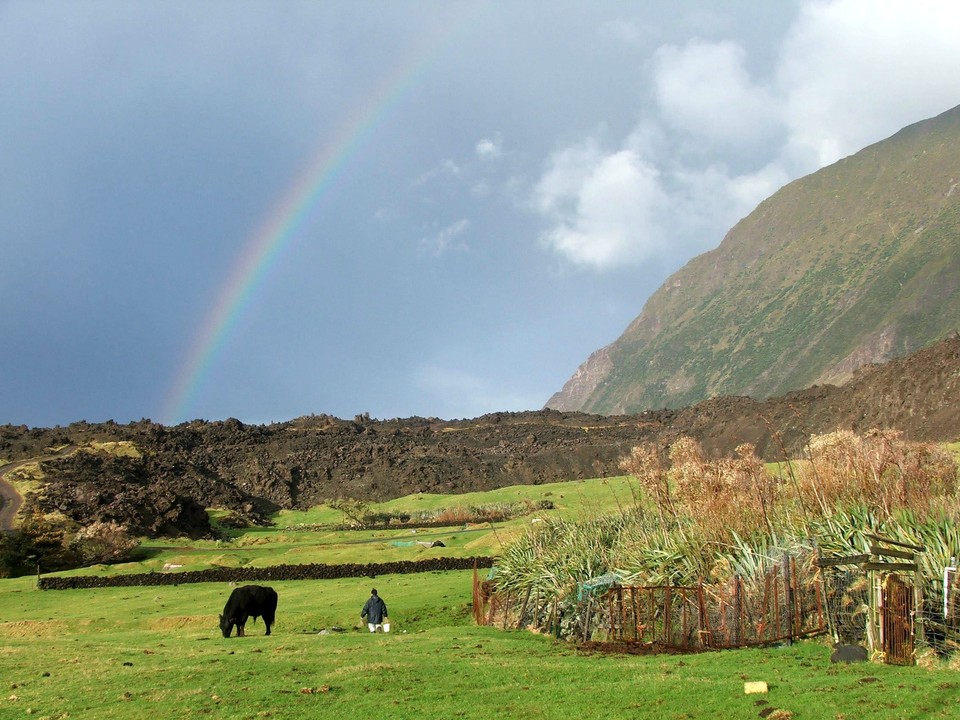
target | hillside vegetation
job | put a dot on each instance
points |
(156, 652)
(857, 263)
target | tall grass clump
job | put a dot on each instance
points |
(878, 470)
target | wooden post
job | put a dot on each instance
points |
(668, 615)
(611, 594)
(705, 631)
(798, 597)
(818, 588)
(765, 606)
(651, 614)
(776, 599)
(738, 610)
(788, 586)
(623, 619)
(586, 618)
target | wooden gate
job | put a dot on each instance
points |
(896, 621)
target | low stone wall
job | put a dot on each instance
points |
(314, 571)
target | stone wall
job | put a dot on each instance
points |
(314, 571)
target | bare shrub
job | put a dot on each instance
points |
(724, 496)
(646, 464)
(104, 542)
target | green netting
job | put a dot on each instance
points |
(598, 584)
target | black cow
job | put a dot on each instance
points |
(248, 601)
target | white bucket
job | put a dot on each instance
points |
(386, 627)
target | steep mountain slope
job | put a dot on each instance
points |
(857, 263)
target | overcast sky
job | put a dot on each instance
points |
(263, 210)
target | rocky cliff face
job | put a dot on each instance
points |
(584, 382)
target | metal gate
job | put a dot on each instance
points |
(896, 621)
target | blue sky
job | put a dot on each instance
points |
(514, 181)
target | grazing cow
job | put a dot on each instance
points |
(248, 601)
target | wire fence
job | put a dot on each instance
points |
(882, 601)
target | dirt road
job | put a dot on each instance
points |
(10, 499)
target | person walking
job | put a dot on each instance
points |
(375, 611)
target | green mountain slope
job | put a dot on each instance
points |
(856, 263)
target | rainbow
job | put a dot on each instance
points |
(264, 246)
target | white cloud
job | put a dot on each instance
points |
(856, 71)
(604, 208)
(704, 89)
(490, 148)
(446, 238)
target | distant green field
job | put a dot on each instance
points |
(155, 652)
(287, 542)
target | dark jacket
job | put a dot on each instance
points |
(374, 610)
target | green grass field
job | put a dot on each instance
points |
(156, 652)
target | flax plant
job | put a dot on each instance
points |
(556, 554)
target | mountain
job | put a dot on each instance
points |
(856, 263)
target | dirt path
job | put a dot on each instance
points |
(10, 499)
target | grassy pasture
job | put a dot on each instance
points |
(156, 652)
(288, 542)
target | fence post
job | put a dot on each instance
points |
(788, 587)
(706, 638)
(737, 611)
(586, 618)
(798, 615)
(622, 627)
(668, 615)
